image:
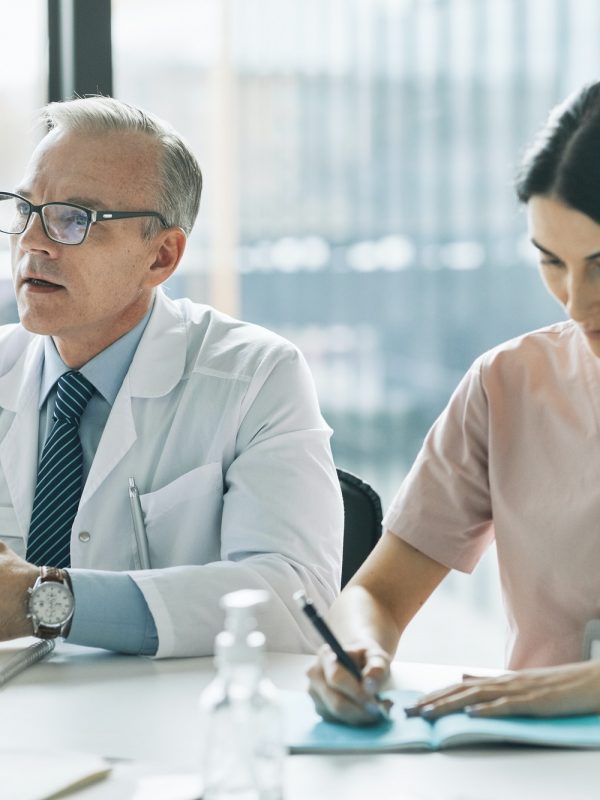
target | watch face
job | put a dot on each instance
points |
(51, 603)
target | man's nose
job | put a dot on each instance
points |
(34, 236)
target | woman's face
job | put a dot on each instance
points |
(568, 243)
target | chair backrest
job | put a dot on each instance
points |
(362, 522)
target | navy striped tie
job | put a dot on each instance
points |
(59, 481)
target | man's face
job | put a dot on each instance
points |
(87, 296)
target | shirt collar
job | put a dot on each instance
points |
(105, 371)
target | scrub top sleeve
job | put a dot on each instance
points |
(443, 507)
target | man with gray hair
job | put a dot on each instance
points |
(154, 454)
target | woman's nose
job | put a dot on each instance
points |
(582, 294)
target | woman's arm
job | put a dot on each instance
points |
(368, 619)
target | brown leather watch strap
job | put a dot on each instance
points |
(52, 574)
(45, 632)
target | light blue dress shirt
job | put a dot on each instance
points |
(110, 610)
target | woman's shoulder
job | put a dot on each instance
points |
(555, 349)
(560, 338)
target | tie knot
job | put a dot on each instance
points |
(72, 396)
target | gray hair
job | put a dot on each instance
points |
(180, 178)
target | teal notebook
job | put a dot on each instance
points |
(306, 732)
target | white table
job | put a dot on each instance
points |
(146, 711)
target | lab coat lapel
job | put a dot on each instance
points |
(117, 438)
(156, 368)
(19, 394)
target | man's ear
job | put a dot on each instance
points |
(171, 245)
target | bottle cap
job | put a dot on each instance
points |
(240, 642)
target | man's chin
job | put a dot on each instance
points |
(34, 323)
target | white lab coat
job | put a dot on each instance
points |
(218, 422)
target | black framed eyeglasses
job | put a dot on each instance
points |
(65, 223)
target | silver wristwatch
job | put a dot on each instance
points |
(51, 603)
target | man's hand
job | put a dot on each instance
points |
(549, 691)
(16, 576)
(338, 696)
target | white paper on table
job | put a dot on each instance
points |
(175, 787)
(41, 776)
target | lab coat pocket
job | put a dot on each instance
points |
(9, 530)
(183, 518)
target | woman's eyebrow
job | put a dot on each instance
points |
(591, 257)
(543, 249)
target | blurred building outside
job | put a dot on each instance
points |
(358, 158)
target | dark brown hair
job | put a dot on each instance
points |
(564, 159)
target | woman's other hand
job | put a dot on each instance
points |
(545, 692)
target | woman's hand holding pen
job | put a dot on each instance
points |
(339, 696)
(370, 614)
(548, 691)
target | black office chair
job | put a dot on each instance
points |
(362, 522)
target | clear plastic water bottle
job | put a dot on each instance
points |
(243, 754)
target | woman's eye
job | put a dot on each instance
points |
(551, 262)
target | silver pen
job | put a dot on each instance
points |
(139, 528)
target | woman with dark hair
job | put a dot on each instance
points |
(514, 457)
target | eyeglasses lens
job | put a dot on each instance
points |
(65, 224)
(14, 214)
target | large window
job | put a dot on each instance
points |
(23, 81)
(358, 159)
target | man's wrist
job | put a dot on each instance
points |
(30, 576)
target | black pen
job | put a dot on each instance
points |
(327, 634)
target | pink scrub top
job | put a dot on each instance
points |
(515, 456)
